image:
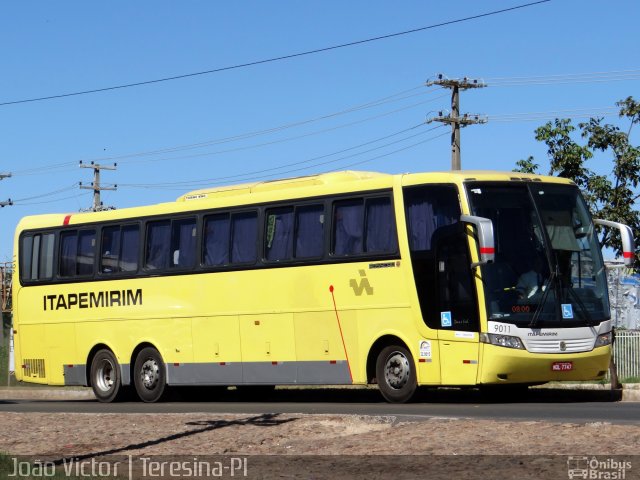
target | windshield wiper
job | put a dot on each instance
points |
(540, 305)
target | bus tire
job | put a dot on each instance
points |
(105, 376)
(149, 375)
(396, 374)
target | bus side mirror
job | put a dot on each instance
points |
(626, 234)
(486, 242)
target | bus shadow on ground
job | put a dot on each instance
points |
(371, 395)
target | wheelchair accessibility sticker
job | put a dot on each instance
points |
(445, 319)
(567, 310)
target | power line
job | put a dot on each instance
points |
(288, 139)
(396, 151)
(276, 59)
(48, 194)
(254, 175)
(533, 116)
(399, 96)
(54, 200)
(590, 77)
(241, 176)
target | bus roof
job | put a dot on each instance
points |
(281, 189)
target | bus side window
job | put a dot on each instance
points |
(348, 219)
(309, 234)
(36, 252)
(157, 245)
(129, 245)
(381, 233)
(364, 226)
(279, 234)
(244, 236)
(77, 253)
(86, 252)
(119, 251)
(68, 252)
(183, 242)
(217, 232)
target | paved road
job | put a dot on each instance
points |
(542, 405)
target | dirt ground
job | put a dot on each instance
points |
(69, 434)
(324, 446)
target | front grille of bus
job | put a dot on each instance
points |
(553, 345)
(34, 367)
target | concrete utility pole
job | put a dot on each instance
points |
(95, 185)
(8, 202)
(454, 118)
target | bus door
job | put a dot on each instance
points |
(443, 278)
(457, 307)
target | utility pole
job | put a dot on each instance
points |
(8, 202)
(96, 186)
(454, 119)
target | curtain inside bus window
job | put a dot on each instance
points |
(129, 248)
(348, 227)
(245, 234)
(86, 252)
(68, 251)
(309, 231)
(183, 245)
(216, 240)
(110, 250)
(279, 234)
(429, 208)
(158, 245)
(381, 227)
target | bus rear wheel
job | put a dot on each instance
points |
(105, 376)
(149, 375)
(396, 374)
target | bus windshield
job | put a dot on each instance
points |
(548, 269)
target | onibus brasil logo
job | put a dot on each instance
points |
(596, 468)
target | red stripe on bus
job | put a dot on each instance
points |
(627, 254)
(67, 219)
(422, 360)
(176, 364)
(466, 361)
(223, 363)
(487, 250)
(274, 363)
(332, 362)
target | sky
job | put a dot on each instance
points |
(361, 107)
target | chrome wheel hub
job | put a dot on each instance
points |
(150, 374)
(397, 370)
(105, 375)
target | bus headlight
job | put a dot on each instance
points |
(501, 340)
(603, 340)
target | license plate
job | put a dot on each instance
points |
(562, 366)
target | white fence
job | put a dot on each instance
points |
(626, 352)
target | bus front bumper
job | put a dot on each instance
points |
(502, 365)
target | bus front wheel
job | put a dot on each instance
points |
(396, 374)
(149, 375)
(105, 376)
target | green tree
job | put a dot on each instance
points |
(611, 196)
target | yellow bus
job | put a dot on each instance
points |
(452, 278)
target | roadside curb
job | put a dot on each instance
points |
(46, 393)
(630, 392)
